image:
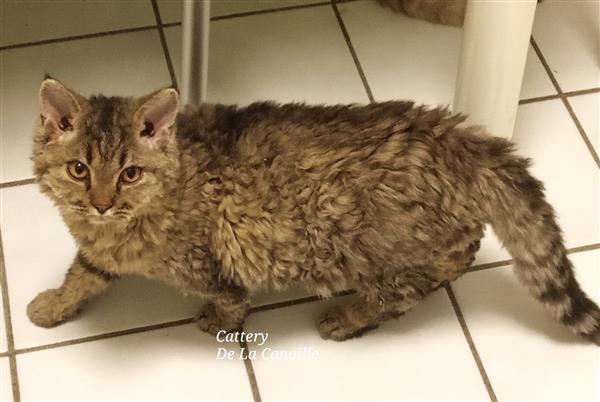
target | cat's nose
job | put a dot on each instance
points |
(102, 208)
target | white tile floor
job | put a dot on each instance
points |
(394, 362)
(273, 56)
(568, 32)
(299, 54)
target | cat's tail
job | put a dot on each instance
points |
(525, 223)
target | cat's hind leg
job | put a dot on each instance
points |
(395, 292)
(389, 297)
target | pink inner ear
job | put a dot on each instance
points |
(158, 115)
(65, 124)
(57, 104)
(162, 113)
(148, 130)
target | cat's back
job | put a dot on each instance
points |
(321, 136)
(346, 134)
(265, 130)
(227, 123)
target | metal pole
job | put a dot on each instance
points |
(195, 28)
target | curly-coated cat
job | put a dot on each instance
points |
(388, 199)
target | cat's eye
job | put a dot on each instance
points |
(131, 174)
(77, 170)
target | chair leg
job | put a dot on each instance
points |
(195, 29)
(492, 62)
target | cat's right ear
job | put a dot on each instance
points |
(58, 107)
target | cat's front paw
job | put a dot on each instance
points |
(51, 308)
(209, 320)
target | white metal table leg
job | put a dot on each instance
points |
(195, 28)
(492, 62)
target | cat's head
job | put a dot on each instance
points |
(105, 159)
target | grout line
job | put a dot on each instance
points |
(557, 96)
(4, 354)
(293, 302)
(171, 24)
(582, 92)
(587, 247)
(259, 12)
(497, 264)
(467, 334)
(581, 130)
(268, 11)
(10, 339)
(489, 265)
(107, 335)
(539, 99)
(16, 183)
(77, 37)
(167, 324)
(250, 372)
(165, 47)
(565, 101)
(285, 303)
(361, 73)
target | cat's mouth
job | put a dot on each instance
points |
(91, 215)
(107, 219)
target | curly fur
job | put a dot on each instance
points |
(389, 199)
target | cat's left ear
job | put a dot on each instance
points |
(156, 116)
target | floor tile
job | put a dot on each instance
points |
(587, 109)
(527, 355)
(5, 381)
(565, 174)
(404, 58)
(491, 249)
(287, 56)
(33, 20)
(28, 220)
(571, 178)
(568, 33)
(170, 10)
(127, 64)
(535, 79)
(398, 361)
(168, 364)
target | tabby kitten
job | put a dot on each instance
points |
(388, 199)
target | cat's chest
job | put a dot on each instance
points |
(137, 249)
